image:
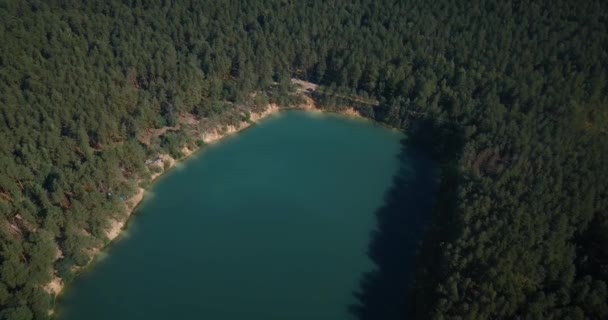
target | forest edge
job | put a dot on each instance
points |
(56, 285)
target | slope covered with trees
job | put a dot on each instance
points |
(511, 97)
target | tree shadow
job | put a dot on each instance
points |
(384, 293)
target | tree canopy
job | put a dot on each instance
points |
(510, 96)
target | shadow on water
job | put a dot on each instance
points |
(401, 221)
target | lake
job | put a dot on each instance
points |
(273, 223)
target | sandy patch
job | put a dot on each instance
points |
(160, 162)
(58, 252)
(117, 225)
(168, 159)
(304, 85)
(309, 105)
(350, 111)
(216, 134)
(135, 199)
(115, 229)
(186, 151)
(271, 109)
(54, 286)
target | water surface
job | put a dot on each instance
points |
(273, 223)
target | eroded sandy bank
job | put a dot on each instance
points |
(166, 162)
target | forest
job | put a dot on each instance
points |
(510, 97)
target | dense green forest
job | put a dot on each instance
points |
(511, 97)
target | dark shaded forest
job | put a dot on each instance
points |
(510, 97)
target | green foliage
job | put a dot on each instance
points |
(172, 143)
(512, 93)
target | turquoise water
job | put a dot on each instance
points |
(273, 223)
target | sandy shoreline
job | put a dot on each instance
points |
(210, 137)
(56, 285)
(218, 133)
(169, 162)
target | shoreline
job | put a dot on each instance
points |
(215, 135)
(56, 286)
